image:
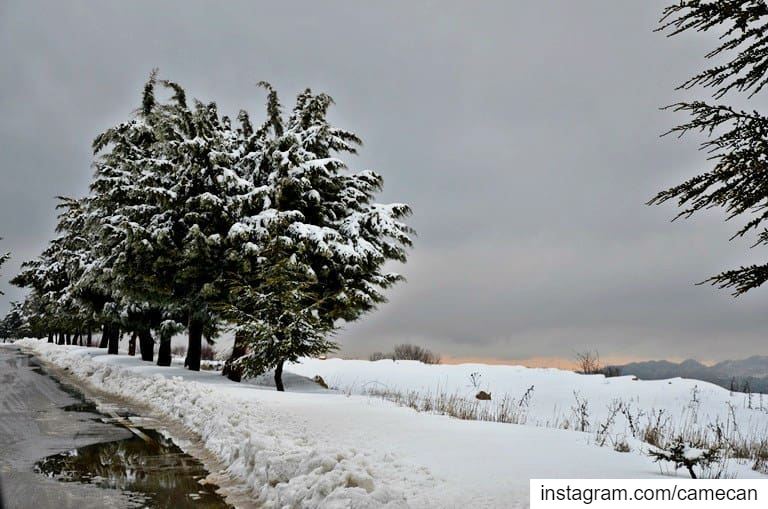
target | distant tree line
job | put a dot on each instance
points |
(407, 352)
(199, 223)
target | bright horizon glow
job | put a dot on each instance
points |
(545, 362)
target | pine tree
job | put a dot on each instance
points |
(168, 196)
(46, 280)
(344, 237)
(738, 140)
(128, 193)
(75, 255)
(279, 318)
(12, 324)
(187, 238)
(246, 145)
(337, 241)
(51, 277)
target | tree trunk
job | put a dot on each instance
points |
(104, 336)
(89, 338)
(132, 345)
(69, 338)
(232, 371)
(146, 345)
(114, 340)
(164, 352)
(195, 344)
(78, 339)
(61, 338)
(279, 376)
(50, 337)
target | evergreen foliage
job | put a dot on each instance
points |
(737, 140)
(193, 222)
(163, 179)
(279, 318)
(12, 323)
(742, 24)
(319, 243)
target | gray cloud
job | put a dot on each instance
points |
(524, 134)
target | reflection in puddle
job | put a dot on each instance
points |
(155, 471)
(152, 470)
(85, 406)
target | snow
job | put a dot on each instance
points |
(693, 453)
(554, 391)
(311, 447)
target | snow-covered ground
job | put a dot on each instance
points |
(310, 447)
(553, 394)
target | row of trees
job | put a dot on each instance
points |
(198, 223)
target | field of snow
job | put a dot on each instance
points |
(311, 447)
(553, 395)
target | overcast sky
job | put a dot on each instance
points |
(524, 134)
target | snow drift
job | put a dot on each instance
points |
(311, 447)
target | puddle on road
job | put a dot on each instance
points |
(154, 471)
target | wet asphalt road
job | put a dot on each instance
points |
(57, 451)
(33, 425)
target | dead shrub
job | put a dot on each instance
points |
(407, 352)
(589, 363)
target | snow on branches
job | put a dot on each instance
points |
(203, 222)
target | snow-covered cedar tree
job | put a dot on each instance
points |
(279, 317)
(88, 298)
(12, 324)
(126, 193)
(683, 454)
(160, 201)
(44, 276)
(75, 254)
(50, 278)
(333, 232)
(23, 320)
(738, 140)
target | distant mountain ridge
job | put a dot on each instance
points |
(750, 374)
